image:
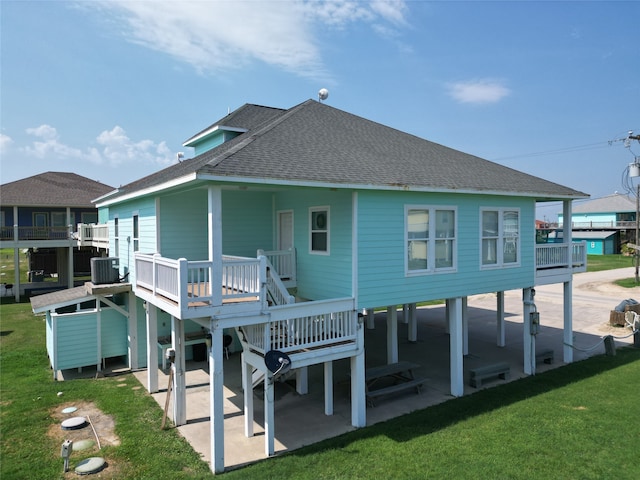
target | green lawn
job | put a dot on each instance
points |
(597, 263)
(578, 421)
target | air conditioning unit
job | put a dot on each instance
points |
(105, 270)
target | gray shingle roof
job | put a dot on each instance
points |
(53, 189)
(246, 117)
(615, 203)
(313, 143)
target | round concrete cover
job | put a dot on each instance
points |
(74, 423)
(83, 444)
(69, 410)
(90, 465)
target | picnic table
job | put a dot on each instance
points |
(400, 374)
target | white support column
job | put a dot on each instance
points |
(152, 348)
(465, 327)
(70, 262)
(328, 388)
(216, 399)
(371, 323)
(412, 330)
(568, 287)
(16, 266)
(98, 335)
(358, 391)
(54, 334)
(247, 389)
(528, 340)
(405, 313)
(500, 330)
(269, 415)
(392, 334)
(302, 380)
(179, 381)
(567, 335)
(132, 336)
(447, 313)
(215, 241)
(455, 340)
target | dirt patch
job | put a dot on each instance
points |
(99, 432)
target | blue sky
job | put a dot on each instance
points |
(110, 90)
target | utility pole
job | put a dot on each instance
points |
(637, 240)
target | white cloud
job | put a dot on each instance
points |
(114, 149)
(221, 36)
(5, 143)
(481, 91)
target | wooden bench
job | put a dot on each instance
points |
(479, 374)
(545, 356)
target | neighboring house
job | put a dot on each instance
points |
(606, 223)
(39, 215)
(289, 224)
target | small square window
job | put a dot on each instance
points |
(319, 230)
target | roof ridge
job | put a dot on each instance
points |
(262, 129)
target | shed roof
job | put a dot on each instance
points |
(316, 144)
(582, 235)
(53, 189)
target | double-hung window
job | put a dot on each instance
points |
(500, 237)
(430, 239)
(319, 230)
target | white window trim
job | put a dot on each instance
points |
(326, 252)
(116, 235)
(431, 245)
(135, 240)
(500, 239)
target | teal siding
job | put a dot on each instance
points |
(381, 239)
(184, 225)
(113, 333)
(103, 215)
(146, 211)
(247, 222)
(77, 336)
(321, 276)
(599, 218)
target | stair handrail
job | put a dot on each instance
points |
(275, 288)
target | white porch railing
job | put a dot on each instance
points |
(284, 262)
(22, 233)
(93, 234)
(188, 283)
(277, 291)
(559, 255)
(303, 326)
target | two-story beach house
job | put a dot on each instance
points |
(39, 215)
(290, 226)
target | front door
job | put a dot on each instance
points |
(285, 230)
(285, 242)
